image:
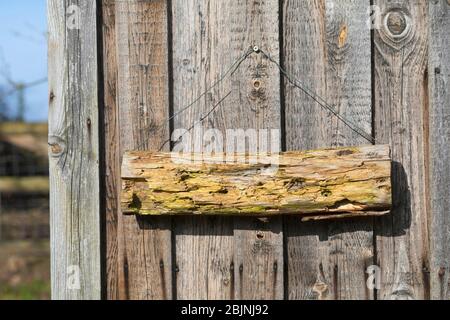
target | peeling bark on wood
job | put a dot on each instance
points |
(319, 184)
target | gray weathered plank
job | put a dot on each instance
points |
(439, 88)
(327, 47)
(401, 119)
(74, 150)
(220, 258)
(144, 245)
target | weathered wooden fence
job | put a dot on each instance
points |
(120, 69)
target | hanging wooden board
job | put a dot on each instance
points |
(320, 184)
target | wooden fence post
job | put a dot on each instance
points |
(327, 45)
(74, 150)
(439, 80)
(244, 256)
(144, 245)
(401, 100)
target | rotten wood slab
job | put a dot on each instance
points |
(320, 184)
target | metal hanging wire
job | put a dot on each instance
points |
(289, 77)
(321, 101)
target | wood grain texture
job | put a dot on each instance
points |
(74, 151)
(144, 245)
(220, 258)
(401, 119)
(439, 88)
(311, 183)
(111, 144)
(327, 47)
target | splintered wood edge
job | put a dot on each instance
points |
(350, 215)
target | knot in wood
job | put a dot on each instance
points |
(320, 289)
(396, 23)
(256, 84)
(57, 146)
(343, 35)
(51, 97)
(258, 92)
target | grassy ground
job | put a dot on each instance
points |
(24, 270)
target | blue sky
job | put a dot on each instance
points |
(23, 48)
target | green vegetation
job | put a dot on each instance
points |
(24, 270)
(37, 289)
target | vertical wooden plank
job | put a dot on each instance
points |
(220, 258)
(145, 263)
(74, 150)
(327, 47)
(439, 72)
(112, 149)
(401, 119)
(259, 259)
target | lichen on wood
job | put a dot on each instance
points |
(313, 184)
